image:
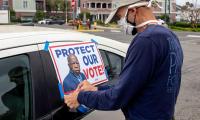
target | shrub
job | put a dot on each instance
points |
(81, 15)
(39, 15)
(163, 17)
(13, 16)
(99, 22)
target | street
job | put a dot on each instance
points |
(188, 104)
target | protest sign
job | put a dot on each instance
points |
(77, 62)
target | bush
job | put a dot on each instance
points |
(182, 24)
(185, 29)
(13, 16)
(163, 17)
(39, 15)
(81, 15)
(99, 22)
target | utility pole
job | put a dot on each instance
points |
(73, 8)
(169, 11)
(166, 11)
(66, 10)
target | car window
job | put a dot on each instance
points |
(113, 64)
(14, 88)
(58, 108)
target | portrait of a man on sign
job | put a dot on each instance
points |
(75, 63)
(75, 76)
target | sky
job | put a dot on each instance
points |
(182, 2)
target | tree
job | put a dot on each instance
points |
(191, 13)
(56, 5)
(81, 15)
(12, 15)
(39, 15)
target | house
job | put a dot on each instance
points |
(5, 4)
(24, 9)
(41, 5)
(98, 9)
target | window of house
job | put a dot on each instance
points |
(14, 88)
(25, 4)
(88, 4)
(98, 5)
(104, 5)
(92, 5)
(5, 2)
(109, 5)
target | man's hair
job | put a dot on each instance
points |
(70, 56)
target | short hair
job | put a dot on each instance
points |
(69, 56)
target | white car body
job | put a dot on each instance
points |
(34, 41)
(12, 44)
(45, 21)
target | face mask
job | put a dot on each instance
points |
(133, 30)
(128, 28)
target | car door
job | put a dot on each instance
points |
(21, 84)
(57, 107)
(113, 62)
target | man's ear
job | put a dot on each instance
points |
(133, 11)
(121, 11)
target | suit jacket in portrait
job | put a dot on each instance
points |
(71, 81)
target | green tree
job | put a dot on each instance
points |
(81, 15)
(13, 16)
(191, 13)
(163, 17)
(39, 15)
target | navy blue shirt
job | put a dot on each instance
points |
(149, 83)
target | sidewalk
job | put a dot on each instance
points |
(110, 28)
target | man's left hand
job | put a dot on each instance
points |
(71, 100)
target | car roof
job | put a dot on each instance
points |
(17, 39)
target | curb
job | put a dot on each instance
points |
(90, 30)
(108, 28)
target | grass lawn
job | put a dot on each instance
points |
(184, 29)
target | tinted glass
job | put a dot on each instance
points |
(14, 89)
(113, 64)
(59, 110)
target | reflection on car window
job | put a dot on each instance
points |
(14, 97)
(105, 59)
(113, 64)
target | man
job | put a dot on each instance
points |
(74, 77)
(149, 83)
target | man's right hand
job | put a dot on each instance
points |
(86, 86)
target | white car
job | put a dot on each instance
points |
(28, 81)
(45, 21)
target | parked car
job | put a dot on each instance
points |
(27, 23)
(45, 21)
(29, 85)
(59, 21)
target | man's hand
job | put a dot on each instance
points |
(86, 86)
(71, 100)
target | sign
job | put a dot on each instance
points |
(4, 16)
(73, 3)
(77, 62)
